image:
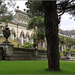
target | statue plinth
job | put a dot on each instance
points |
(7, 46)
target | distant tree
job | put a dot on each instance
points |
(35, 8)
(37, 23)
(67, 41)
(70, 42)
(5, 15)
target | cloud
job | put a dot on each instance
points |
(21, 4)
(67, 23)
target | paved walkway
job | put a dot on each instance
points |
(67, 58)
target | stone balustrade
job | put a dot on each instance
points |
(13, 53)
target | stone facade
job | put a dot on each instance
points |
(18, 28)
(19, 31)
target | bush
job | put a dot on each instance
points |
(14, 42)
(65, 52)
(18, 45)
(61, 54)
(27, 45)
(71, 51)
(2, 39)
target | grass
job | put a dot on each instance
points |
(35, 67)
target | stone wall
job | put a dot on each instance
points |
(73, 55)
(22, 54)
(29, 54)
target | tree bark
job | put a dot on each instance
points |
(51, 27)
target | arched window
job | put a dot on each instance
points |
(12, 36)
(43, 44)
(31, 40)
(22, 39)
(27, 39)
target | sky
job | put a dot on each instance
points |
(65, 24)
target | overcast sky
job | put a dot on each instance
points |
(66, 22)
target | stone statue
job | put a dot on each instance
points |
(6, 33)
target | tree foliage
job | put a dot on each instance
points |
(66, 6)
(68, 42)
(5, 15)
(37, 23)
(27, 45)
(36, 8)
(6, 18)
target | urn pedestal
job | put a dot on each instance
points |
(7, 51)
(7, 46)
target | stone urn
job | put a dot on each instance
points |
(6, 34)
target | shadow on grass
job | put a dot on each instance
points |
(61, 71)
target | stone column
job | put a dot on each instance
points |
(35, 54)
(8, 50)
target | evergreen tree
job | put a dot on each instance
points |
(37, 23)
(51, 21)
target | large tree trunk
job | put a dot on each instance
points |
(51, 26)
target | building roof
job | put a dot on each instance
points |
(20, 11)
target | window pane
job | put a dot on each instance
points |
(22, 38)
(27, 39)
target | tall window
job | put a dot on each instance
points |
(31, 40)
(22, 39)
(43, 44)
(27, 39)
(12, 36)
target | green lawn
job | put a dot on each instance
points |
(35, 67)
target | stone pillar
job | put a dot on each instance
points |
(8, 50)
(35, 54)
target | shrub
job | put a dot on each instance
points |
(2, 39)
(18, 45)
(27, 45)
(14, 42)
(65, 52)
(61, 54)
(71, 51)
